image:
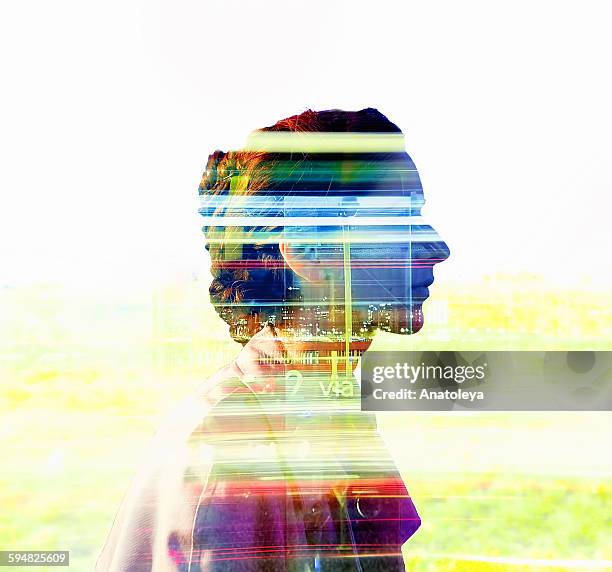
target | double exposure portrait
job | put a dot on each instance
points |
(316, 242)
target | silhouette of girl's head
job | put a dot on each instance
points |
(315, 226)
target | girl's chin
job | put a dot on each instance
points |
(416, 322)
(416, 319)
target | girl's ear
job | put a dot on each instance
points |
(312, 263)
(293, 259)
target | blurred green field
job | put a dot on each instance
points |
(83, 379)
(478, 493)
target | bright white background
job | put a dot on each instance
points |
(110, 109)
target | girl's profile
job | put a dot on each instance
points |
(316, 242)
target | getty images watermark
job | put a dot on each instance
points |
(495, 381)
(423, 372)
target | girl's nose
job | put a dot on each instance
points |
(443, 251)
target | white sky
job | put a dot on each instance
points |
(110, 109)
